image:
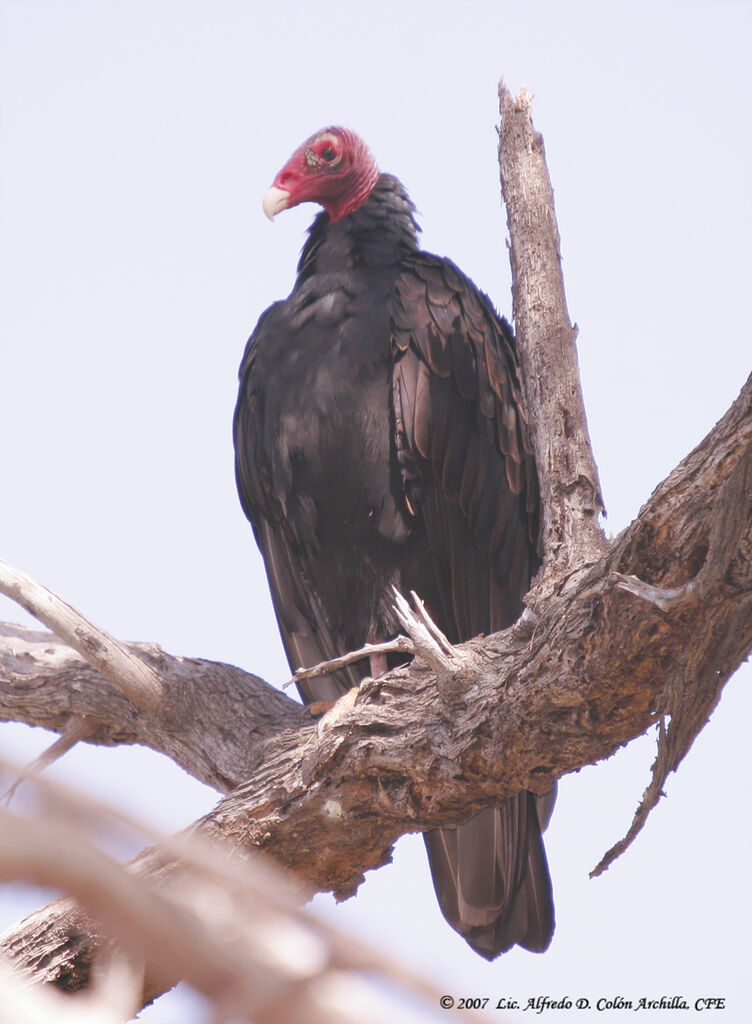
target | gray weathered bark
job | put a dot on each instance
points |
(616, 637)
(570, 489)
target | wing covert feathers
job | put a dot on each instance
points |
(468, 473)
(455, 382)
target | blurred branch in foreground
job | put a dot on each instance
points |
(229, 924)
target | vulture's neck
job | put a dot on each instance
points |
(378, 234)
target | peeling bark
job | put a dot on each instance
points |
(616, 638)
(210, 720)
(596, 669)
(546, 344)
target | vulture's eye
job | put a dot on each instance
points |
(327, 153)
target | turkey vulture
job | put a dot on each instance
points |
(380, 441)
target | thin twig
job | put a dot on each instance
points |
(399, 644)
(77, 729)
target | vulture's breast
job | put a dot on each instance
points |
(329, 421)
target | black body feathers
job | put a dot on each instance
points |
(380, 440)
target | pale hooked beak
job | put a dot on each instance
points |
(275, 200)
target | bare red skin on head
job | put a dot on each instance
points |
(334, 168)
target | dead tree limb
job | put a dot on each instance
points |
(594, 671)
(226, 924)
(546, 344)
(118, 663)
(591, 667)
(210, 720)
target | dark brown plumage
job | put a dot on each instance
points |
(380, 441)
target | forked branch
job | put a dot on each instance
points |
(590, 668)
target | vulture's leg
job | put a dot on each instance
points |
(378, 665)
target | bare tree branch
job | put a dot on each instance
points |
(76, 730)
(397, 645)
(230, 927)
(118, 663)
(592, 672)
(570, 490)
(114, 997)
(692, 690)
(588, 669)
(210, 720)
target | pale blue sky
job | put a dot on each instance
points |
(138, 139)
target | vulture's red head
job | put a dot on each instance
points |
(334, 168)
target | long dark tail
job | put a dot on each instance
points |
(491, 877)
